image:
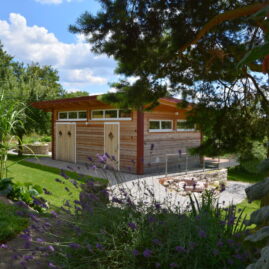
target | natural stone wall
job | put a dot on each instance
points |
(36, 149)
(196, 182)
(209, 175)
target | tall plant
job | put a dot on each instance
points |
(10, 117)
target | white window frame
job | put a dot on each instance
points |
(160, 125)
(184, 130)
(107, 119)
(77, 111)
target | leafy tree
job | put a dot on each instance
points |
(173, 46)
(67, 94)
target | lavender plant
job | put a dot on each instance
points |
(113, 227)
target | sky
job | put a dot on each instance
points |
(36, 31)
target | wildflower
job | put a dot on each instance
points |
(99, 246)
(39, 240)
(147, 253)
(220, 243)
(90, 159)
(156, 241)
(53, 213)
(94, 167)
(107, 155)
(132, 226)
(135, 252)
(46, 191)
(202, 234)
(116, 200)
(63, 174)
(74, 245)
(3, 246)
(51, 265)
(51, 248)
(180, 249)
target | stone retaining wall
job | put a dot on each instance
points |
(36, 149)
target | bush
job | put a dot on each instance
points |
(128, 235)
(26, 192)
(45, 139)
(252, 156)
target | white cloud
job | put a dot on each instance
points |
(76, 64)
(55, 2)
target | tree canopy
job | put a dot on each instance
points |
(172, 47)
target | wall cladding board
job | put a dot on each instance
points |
(157, 145)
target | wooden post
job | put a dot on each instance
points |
(53, 119)
(140, 143)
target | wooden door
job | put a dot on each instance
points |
(66, 142)
(112, 143)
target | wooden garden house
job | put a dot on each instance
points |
(85, 128)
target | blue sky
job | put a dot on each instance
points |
(37, 31)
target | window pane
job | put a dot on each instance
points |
(111, 114)
(154, 125)
(125, 113)
(166, 125)
(185, 125)
(97, 114)
(63, 115)
(72, 115)
(82, 115)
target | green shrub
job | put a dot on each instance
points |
(26, 192)
(45, 139)
(252, 156)
(127, 235)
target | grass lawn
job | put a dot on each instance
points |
(10, 223)
(44, 176)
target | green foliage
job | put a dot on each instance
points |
(10, 222)
(67, 94)
(129, 236)
(26, 192)
(252, 155)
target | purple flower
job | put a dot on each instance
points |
(107, 155)
(74, 245)
(151, 219)
(51, 265)
(99, 246)
(90, 159)
(220, 243)
(132, 226)
(39, 240)
(51, 248)
(53, 213)
(116, 200)
(173, 265)
(180, 249)
(202, 234)
(156, 241)
(63, 174)
(94, 167)
(46, 191)
(3, 246)
(147, 253)
(135, 252)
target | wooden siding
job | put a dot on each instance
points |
(90, 142)
(167, 142)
